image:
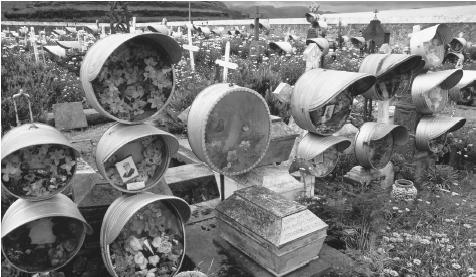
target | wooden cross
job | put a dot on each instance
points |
(132, 29)
(33, 44)
(190, 47)
(375, 12)
(226, 63)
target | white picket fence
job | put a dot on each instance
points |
(455, 14)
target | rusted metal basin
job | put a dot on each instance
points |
(432, 127)
(229, 128)
(99, 53)
(121, 140)
(374, 143)
(124, 207)
(430, 44)
(23, 212)
(323, 152)
(394, 72)
(317, 90)
(29, 135)
(465, 90)
(430, 90)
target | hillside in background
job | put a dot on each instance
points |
(89, 11)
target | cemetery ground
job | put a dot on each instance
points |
(431, 236)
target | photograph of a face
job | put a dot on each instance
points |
(127, 169)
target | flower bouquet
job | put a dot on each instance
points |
(135, 82)
(151, 244)
(381, 151)
(151, 161)
(39, 170)
(330, 118)
(44, 244)
(394, 83)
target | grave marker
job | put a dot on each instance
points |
(226, 63)
(190, 47)
(33, 44)
(69, 116)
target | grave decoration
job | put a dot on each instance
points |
(458, 44)
(431, 132)
(324, 109)
(280, 235)
(229, 128)
(144, 235)
(374, 143)
(315, 50)
(404, 190)
(73, 44)
(55, 50)
(465, 91)
(321, 152)
(129, 77)
(281, 46)
(358, 42)
(37, 160)
(159, 28)
(430, 44)
(59, 32)
(375, 35)
(42, 236)
(430, 90)
(394, 72)
(133, 158)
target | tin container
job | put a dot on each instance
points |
(30, 135)
(229, 128)
(123, 209)
(23, 212)
(430, 90)
(315, 92)
(323, 152)
(430, 44)
(432, 127)
(374, 143)
(394, 72)
(99, 53)
(465, 90)
(121, 140)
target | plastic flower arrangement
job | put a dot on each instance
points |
(153, 150)
(329, 120)
(151, 244)
(39, 170)
(135, 82)
(43, 244)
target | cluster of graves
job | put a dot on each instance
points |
(257, 165)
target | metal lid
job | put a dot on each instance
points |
(110, 43)
(431, 127)
(446, 79)
(399, 133)
(23, 211)
(313, 145)
(283, 45)
(69, 44)
(381, 64)
(159, 28)
(331, 83)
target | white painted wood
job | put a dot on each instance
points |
(383, 114)
(34, 45)
(190, 47)
(226, 63)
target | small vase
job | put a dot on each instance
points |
(403, 190)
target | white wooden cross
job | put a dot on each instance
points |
(226, 63)
(190, 47)
(132, 28)
(33, 44)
